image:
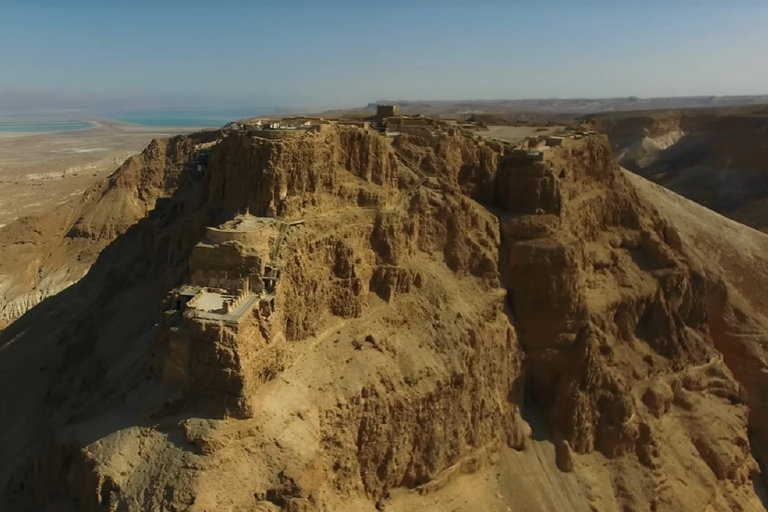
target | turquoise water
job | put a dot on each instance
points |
(29, 125)
(191, 118)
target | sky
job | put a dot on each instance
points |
(339, 53)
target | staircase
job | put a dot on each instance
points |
(272, 274)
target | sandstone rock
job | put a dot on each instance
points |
(563, 454)
(619, 339)
(658, 397)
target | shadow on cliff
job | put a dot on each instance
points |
(758, 480)
(88, 346)
(760, 488)
(140, 254)
(522, 393)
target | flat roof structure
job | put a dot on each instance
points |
(215, 294)
(210, 301)
(244, 228)
(233, 317)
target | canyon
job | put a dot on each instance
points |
(713, 156)
(458, 325)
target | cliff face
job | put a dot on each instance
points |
(637, 140)
(450, 321)
(713, 157)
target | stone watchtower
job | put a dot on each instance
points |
(385, 111)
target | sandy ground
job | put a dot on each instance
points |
(514, 134)
(41, 170)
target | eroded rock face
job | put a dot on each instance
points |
(620, 306)
(714, 157)
(414, 332)
(43, 255)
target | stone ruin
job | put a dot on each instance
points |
(230, 267)
(233, 271)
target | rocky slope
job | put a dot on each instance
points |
(45, 254)
(505, 334)
(716, 157)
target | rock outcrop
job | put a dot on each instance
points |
(445, 311)
(43, 255)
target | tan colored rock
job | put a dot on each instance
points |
(563, 454)
(416, 338)
(658, 397)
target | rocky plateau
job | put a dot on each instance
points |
(457, 327)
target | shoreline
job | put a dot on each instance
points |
(96, 123)
(105, 125)
(91, 125)
(39, 170)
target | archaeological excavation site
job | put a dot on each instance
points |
(389, 315)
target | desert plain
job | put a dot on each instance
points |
(39, 170)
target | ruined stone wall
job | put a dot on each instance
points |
(407, 122)
(203, 360)
(360, 124)
(236, 261)
(216, 279)
(220, 236)
(274, 134)
(385, 111)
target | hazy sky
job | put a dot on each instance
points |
(348, 53)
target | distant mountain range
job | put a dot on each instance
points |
(19, 102)
(554, 107)
(15, 101)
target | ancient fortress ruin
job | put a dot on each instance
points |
(233, 274)
(233, 268)
(236, 265)
(221, 333)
